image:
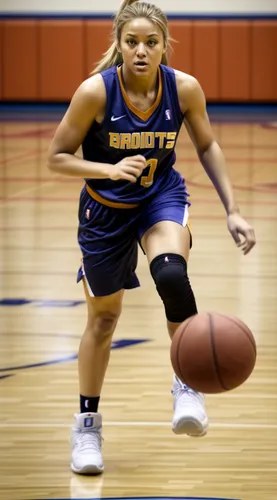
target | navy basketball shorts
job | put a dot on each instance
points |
(109, 237)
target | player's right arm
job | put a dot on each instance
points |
(88, 101)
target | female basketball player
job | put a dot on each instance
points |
(127, 117)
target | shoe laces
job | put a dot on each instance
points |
(185, 394)
(88, 440)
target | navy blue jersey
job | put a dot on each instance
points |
(127, 131)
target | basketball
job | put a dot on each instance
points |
(213, 353)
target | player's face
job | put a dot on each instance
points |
(142, 46)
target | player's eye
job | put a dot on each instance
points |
(152, 43)
(131, 42)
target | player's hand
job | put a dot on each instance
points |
(239, 227)
(129, 168)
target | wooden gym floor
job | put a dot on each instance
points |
(43, 314)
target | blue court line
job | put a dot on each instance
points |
(16, 302)
(43, 363)
(218, 112)
(6, 376)
(221, 107)
(38, 107)
(40, 303)
(117, 344)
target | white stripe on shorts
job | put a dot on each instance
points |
(186, 216)
(91, 294)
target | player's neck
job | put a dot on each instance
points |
(143, 84)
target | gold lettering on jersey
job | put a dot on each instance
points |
(171, 137)
(125, 141)
(161, 136)
(135, 144)
(114, 140)
(149, 140)
(143, 140)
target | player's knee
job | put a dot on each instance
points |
(169, 272)
(102, 324)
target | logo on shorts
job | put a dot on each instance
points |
(87, 213)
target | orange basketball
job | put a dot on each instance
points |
(213, 353)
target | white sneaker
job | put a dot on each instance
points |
(189, 410)
(86, 444)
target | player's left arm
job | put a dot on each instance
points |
(193, 105)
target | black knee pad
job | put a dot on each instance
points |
(169, 272)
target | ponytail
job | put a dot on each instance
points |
(112, 57)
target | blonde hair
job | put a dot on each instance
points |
(131, 9)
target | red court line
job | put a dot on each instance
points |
(37, 198)
(251, 146)
(270, 185)
(230, 160)
(270, 125)
(27, 134)
(256, 188)
(27, 154)
(57, 180)
(41, 179)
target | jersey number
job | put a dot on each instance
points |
(147, 180)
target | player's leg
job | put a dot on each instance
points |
(93, 358)
(94, 349)
(166, 240)
(109, 247)
(166, 245)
